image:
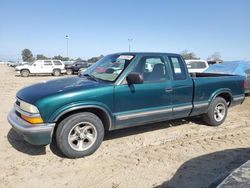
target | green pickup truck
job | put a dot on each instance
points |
(121, 90)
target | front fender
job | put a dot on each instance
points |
(82, 105)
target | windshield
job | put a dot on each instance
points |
(196, 65)
(109, 67)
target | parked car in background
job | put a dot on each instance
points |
(77, 111)
(68, 62)
(54, 67)
(14, 63)
(234, 68)
(75, 67)
(196, 66)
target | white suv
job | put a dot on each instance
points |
(196, 66)
(54, 67)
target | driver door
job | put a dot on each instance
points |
(147, 102)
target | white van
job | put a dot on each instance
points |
(196, 66)
(54, 67)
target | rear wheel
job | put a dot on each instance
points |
(217, 112)
(56, 72)
(25, 73)
(80, 135)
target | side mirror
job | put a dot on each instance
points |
(134, 78)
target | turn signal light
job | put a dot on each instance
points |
(32, 120)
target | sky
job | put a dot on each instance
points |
(99, 27)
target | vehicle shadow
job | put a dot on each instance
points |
(208, 170)
(21, 145)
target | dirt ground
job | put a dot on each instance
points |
(181, 153)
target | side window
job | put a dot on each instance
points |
(152, 68)
(177, 68)
(47, 63)
(57, 63)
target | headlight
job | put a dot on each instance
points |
(28, 107)
(29, 112)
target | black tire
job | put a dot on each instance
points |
(56, 72)
(25, 73)
(212, 117)
(67, 126)
(69, 71)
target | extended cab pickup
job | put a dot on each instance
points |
(121, 90)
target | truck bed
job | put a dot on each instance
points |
(208, 85)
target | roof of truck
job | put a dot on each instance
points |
(146, 53)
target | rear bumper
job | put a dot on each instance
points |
(34, 134)
(238, 99)
(63, 71)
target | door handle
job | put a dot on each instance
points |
(168, 89)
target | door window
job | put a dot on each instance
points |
(178, 68)
(152, 68)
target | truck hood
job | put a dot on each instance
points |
(19, 67)
(33, 93)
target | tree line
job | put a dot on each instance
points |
(191, 55)
(27, 56)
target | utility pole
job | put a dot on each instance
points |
(67, 40)
(129, 44)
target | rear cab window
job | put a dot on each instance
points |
(196, 65)
(178, 68)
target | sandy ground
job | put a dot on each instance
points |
(182, 153)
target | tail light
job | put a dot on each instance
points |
(245, 84)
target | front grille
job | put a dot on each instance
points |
(18, 114)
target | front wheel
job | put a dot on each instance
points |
(217, 112)
(80, 135)
(25, 73)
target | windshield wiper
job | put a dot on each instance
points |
(90, 77)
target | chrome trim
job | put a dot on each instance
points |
(142, 114)
(182, 108)
(238, 97)
(200, 104)
(18, 109)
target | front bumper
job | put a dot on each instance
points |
(36, 134)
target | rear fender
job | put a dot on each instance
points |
(219, 92)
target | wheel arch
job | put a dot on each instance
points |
(25, 69)
(101, 112)
(224, 93)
